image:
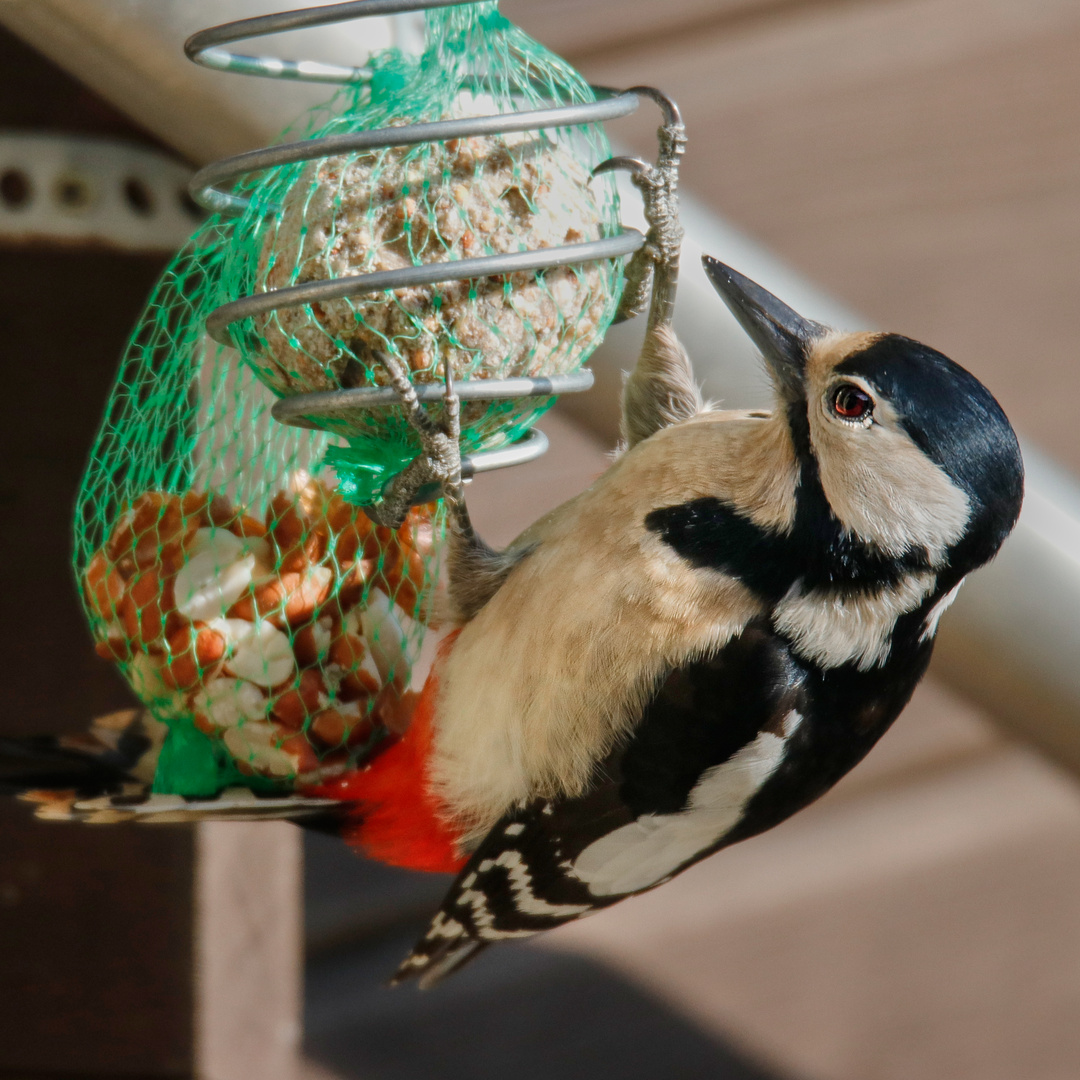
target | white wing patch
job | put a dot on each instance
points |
(652, 848)
(933, 616)
(831, 630)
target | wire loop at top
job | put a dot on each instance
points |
(205, 47)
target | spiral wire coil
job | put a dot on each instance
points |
(208, 48)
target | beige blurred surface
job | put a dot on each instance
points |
(918, 158)
(248, 950)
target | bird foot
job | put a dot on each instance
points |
(653, 271)
(439, 466)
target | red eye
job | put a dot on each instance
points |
(852, 403)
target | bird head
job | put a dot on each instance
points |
(911, 452)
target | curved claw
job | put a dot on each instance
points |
(399, 379)
(671, 111)
(655, 269)
(630, 164)
(439, 466)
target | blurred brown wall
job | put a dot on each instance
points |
(95, 925)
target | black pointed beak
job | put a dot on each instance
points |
(783, 336)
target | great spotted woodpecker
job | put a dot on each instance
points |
(705, 640)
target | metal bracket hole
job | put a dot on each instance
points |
(137, 195)
(15, 188)
(73, 192)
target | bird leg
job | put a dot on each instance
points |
(474, 570)
(661, 389)
(440, 462)
(659, 392)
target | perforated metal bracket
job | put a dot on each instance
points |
(75, 189)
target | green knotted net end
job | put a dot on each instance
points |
(391, 72)
(198, 767)
(366, 466)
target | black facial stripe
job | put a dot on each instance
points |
(799, 426)
(833, 556)
(711, 534)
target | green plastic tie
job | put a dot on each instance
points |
(366, 466)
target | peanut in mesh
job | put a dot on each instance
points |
(286, 638)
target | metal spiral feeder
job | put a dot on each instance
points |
(206, 48)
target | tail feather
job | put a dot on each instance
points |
(106, 776)
(98, 762)
(431, 961)
(41, 763)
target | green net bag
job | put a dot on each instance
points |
(378, 210)
(268, 623)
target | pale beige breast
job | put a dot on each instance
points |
(557, 666)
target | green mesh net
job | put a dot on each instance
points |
(370, 211)
(224, 561)
(268, 622)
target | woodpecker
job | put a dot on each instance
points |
(700, 644)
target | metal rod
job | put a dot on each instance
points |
(629, 240)
(203, 184)
(294, 409)
(207, 48)
(204, 47)
(533, 446)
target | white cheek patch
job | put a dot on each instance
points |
(830, 629)
(652, 848)
(883, 488)
(933, 616)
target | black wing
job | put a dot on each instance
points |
(665, 800)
